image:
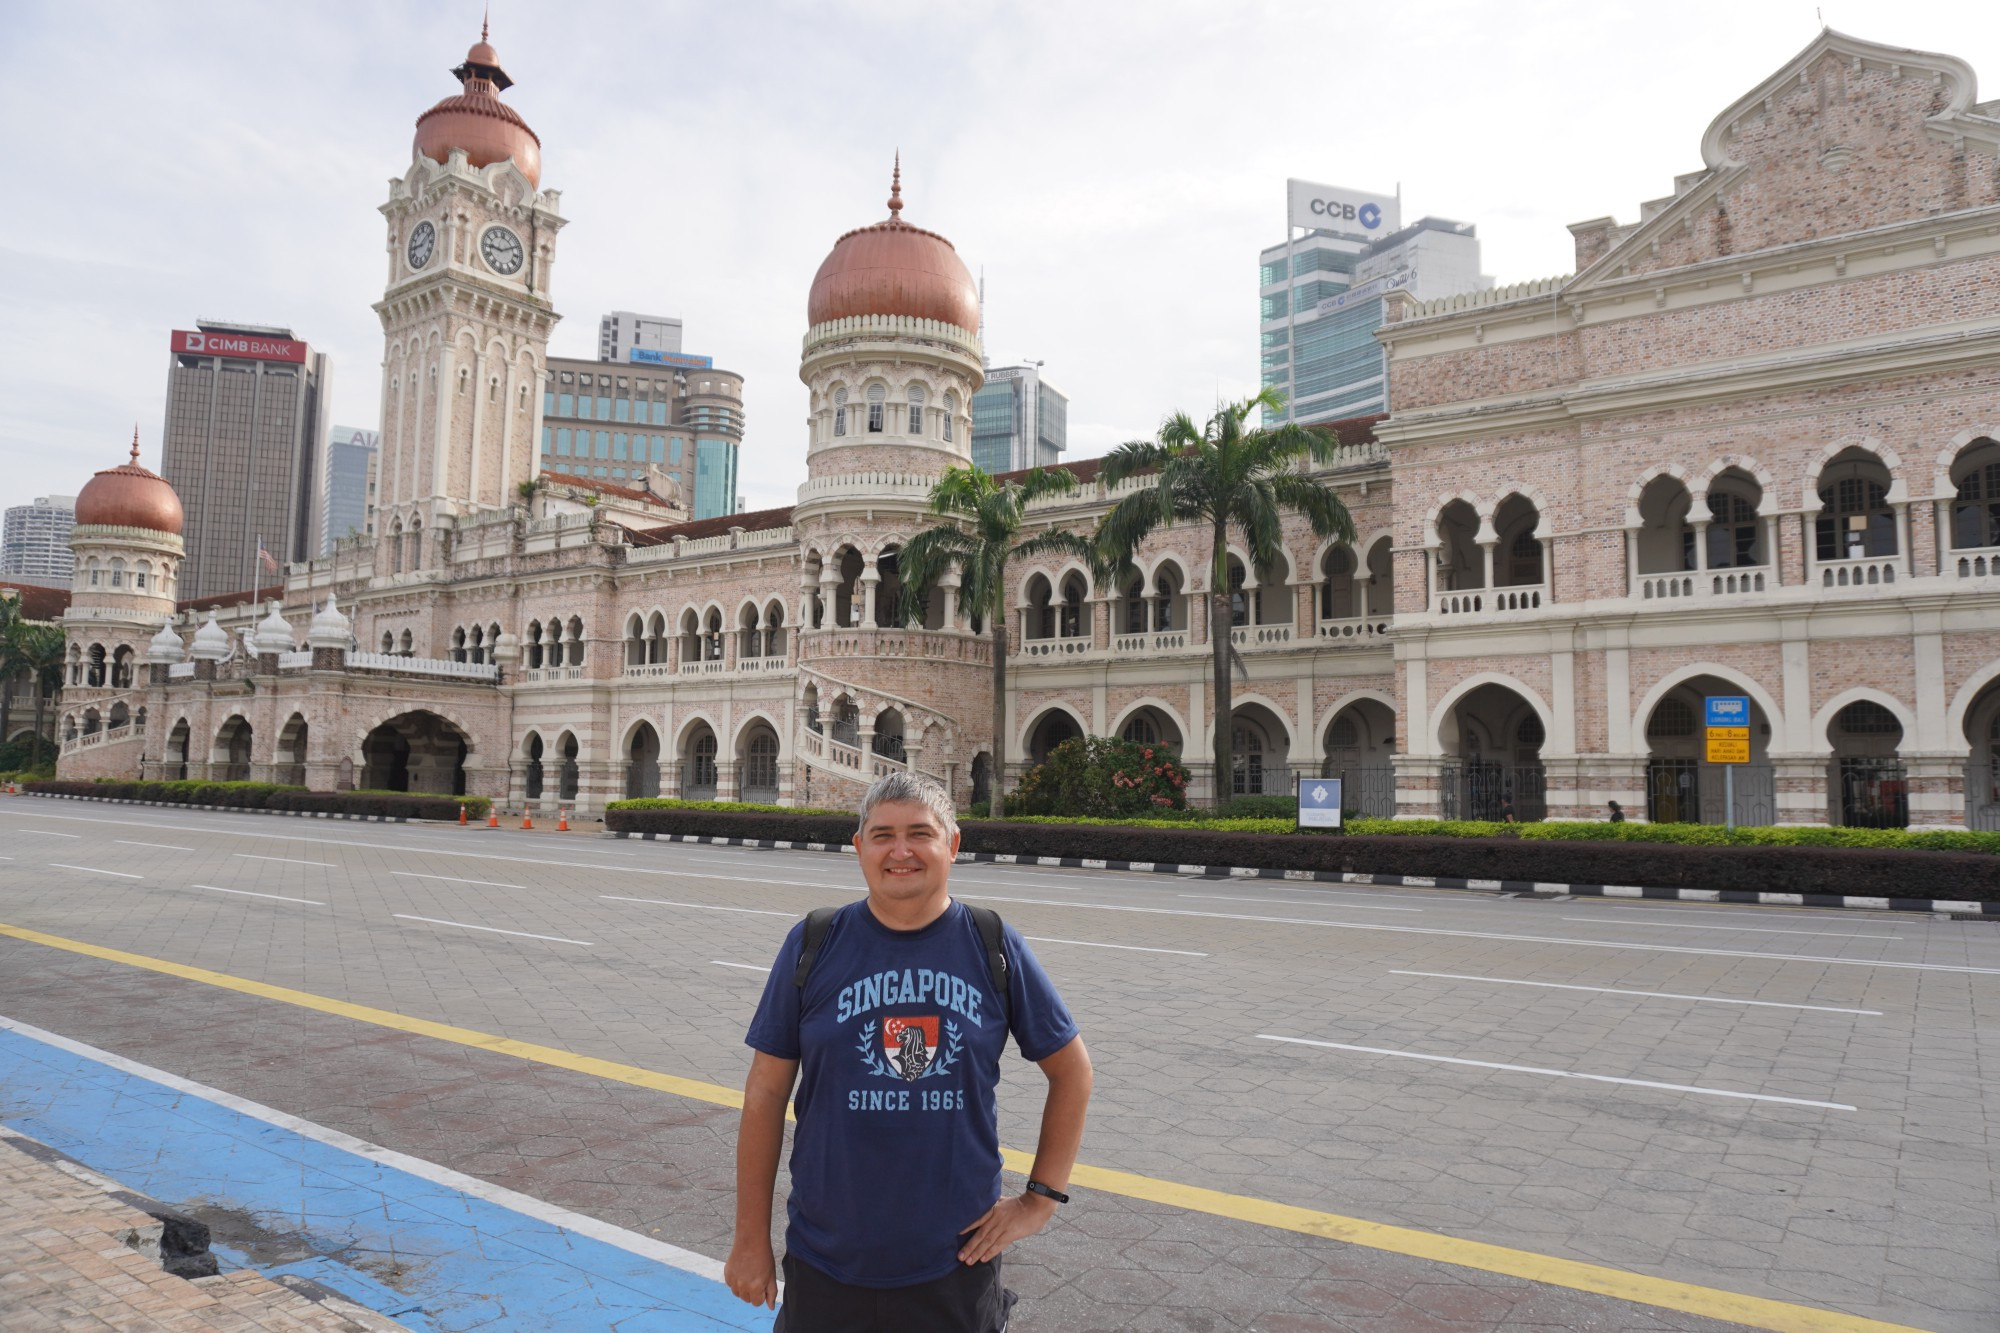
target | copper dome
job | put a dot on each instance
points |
(893, 268)
(478, 121)
(129, 496)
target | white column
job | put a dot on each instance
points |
(1486, 559)
(1903, 539)
(1632, 561)
(1700, 527)
(441, 435)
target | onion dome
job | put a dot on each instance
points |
(211, 641)
(130, 496)
(478, 121)
(330, 629)
(893, 268)
(507, 647)
(274, 634)
(166, 647)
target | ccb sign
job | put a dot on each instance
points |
(1330, 208)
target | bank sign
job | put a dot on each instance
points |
(249, 346)
(646, 356)
(1330, 208)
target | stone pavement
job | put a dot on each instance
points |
(75, 1257)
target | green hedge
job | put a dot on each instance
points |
(275, 796)
(663, 803)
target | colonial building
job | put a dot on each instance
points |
(1748, 448)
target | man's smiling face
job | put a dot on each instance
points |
(905, 855)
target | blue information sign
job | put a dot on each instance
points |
(1728, 710)
(1319, 803)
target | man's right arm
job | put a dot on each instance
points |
(752, 1270)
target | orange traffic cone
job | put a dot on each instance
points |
(527, 821)
(461, 814)
(562, 820)
(493, 818)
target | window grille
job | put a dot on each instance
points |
(1673, 717)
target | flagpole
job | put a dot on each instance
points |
(257, 575)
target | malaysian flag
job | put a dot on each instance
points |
(264, 557)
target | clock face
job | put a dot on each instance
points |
(423, 240)
(502, 250)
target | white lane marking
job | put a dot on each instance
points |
(1752, 910)
(485, 883)
(1093, 944)
(217, 888)
(1294, 902)
(44, 833)
(1655, 994)
(699, 907)
(631, 1242)
(1754, 930)
(163, 846)
(290, 861)
(95, 870)
(1487, 935)
(747, 967)
(1560, 1073)
(467, 925)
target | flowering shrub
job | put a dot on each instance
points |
(1103, 777)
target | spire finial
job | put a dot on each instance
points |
(896, 190)
(135, 442)
(485, 18)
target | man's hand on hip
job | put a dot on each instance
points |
(1013, 1218)
(752, 1272)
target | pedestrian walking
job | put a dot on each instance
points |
(890, 1016)
(1506, 809)
(1617, 812)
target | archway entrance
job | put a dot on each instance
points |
(1493, 738)
(1682, 787)
(291, 760)
(1358, 748)
(176, 755)
(1982, 768)
(642, 770)
(759, 763)
(1867, 784)
(416, 751)
(698, 770)
(1055, 727)
(232, 750)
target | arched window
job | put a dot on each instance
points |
(95, 572)
(533, 646)
(576, 640)
(950, 413)
(94, 676)
(1674, 717)
(840, 411)
(142, 575)
(1732, 531)
(388, 643)
(1135, 605)
(1856, 522)
(876, 395)
(1975, 515)
(1141, 731)
(1336, 589)
(409, 644)
(1072, 607)
(1164, 592)
(458, 645)
(117, 572)
(554, 643)
(416, 543)
(1244, 604)
(916, 396)
(396, 547)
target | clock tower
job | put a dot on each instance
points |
(466, 316)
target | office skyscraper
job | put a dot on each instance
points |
(622, 330)
(1019, 420)
(246, 420)
(34, 543)
(351, 455)
(1320, 294)
(676, 415)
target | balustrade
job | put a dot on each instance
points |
(1260, 636)
(1980, 562)
(1492, 603)
(1160, 641)
(1074, 646)
(1369, 628)
(1871, 571)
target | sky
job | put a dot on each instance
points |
(1113, 169)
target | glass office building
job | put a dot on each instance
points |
(1019, 420)
(620, 423)
(350, 484)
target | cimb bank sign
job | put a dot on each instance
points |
(1330, 208)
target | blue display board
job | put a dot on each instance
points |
(1319, 803)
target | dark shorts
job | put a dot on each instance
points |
(968, 1300)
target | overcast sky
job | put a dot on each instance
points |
(1113, 168)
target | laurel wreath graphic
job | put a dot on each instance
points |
(952, 1045)
(871, 1053)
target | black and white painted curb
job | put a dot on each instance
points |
(232, 809)
(1926, 905)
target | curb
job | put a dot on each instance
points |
(232, 809)
(1931, 906)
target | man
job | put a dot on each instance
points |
(894, 1037)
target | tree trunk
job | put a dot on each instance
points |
(41, 700)
(998, 808)
(1218, 633)
(6, 704)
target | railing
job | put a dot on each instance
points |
(1689, 791)
(1477, 789)
(1980, 562)
(1073, 646)
(535, 674)
(294, 661)
(1492, 601)
(710, 666)
(181, 671)
(813, 743)
(103, 735)
(776, 662)
(1872, 571)
(1370, 628)
(1663, 587)
(423, 666)
(1159, 641)
(843, 754)
(649, 669)
(1698, 583)
(937, 645)
(1260, 636)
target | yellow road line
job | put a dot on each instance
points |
(1707, 1302)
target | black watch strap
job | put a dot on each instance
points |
(1037, 1187)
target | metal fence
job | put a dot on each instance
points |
(1874, 793)
(1367, 790)
(1689, 791)
(1487, 789)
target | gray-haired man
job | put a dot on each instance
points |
(893, 1029)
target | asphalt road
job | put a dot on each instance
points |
(1786, 1104)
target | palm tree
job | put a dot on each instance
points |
(1223, 476)
(981, 534)
(40, 649)
(10, 620)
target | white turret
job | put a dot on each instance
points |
(166, 647)
(330, 629)
(211, 641)
(274, 634)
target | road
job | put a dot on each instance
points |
(1491, 1102)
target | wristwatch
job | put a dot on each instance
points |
(1037, 1187)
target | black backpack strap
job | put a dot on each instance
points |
(988, 922)
(817, 923)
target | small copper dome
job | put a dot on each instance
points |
(129, 496)
(478, 121)
(893, 268)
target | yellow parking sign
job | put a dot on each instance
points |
(1728, 745)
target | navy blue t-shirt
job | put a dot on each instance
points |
(898, 1041)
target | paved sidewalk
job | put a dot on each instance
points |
(75, 1257)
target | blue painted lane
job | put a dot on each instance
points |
(446, 1258)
